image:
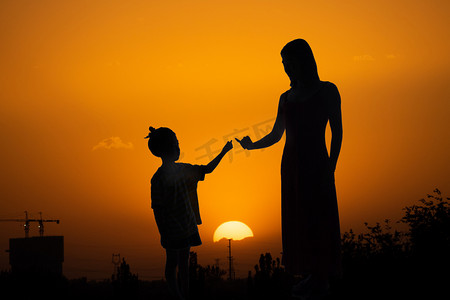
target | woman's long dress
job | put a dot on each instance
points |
(310, 220)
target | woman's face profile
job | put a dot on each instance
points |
(291, 67)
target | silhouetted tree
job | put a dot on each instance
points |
(270, 280)
(125, 284)
(200, 276)
(429, 233)
(381, 262)
(380, 242)
(429, 226)
(412, 263)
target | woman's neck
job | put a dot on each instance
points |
(167, 162)
(303, 86)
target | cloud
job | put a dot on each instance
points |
(364, 57)
(113, 142)
(390, 56)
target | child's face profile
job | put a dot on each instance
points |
(174, 153)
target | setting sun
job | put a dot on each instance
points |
(234, 230)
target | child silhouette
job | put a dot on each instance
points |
(175, 204)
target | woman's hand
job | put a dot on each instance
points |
(246, 142)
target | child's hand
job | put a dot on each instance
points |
(228, 146)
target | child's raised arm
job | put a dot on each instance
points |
(213, 164)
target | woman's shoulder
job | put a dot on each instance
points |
(329, 90)
(331, 93)
(329, 86)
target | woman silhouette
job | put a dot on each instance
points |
(310, 219)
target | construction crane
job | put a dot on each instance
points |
(27, 222)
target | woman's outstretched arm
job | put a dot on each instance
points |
(272, 137)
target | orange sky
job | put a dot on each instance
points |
(81, 81)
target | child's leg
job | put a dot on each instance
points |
(171, 272)
(183, 270)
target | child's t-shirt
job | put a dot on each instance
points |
(175, 200)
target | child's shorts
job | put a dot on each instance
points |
(191, 241)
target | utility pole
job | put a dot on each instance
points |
(230, 260)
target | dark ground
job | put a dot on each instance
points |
(362, 286)
(381, 263)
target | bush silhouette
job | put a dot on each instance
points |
(382, 261)
(125, 284)
(201, 277)
(270, 280)
(429, 224)
(409, 264)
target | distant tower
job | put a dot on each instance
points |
(231, 274)
(116, 262)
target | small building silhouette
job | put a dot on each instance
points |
(41, 254)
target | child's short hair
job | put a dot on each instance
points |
(160, 141)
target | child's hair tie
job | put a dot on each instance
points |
(151, 129)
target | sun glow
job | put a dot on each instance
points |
(234, 230)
